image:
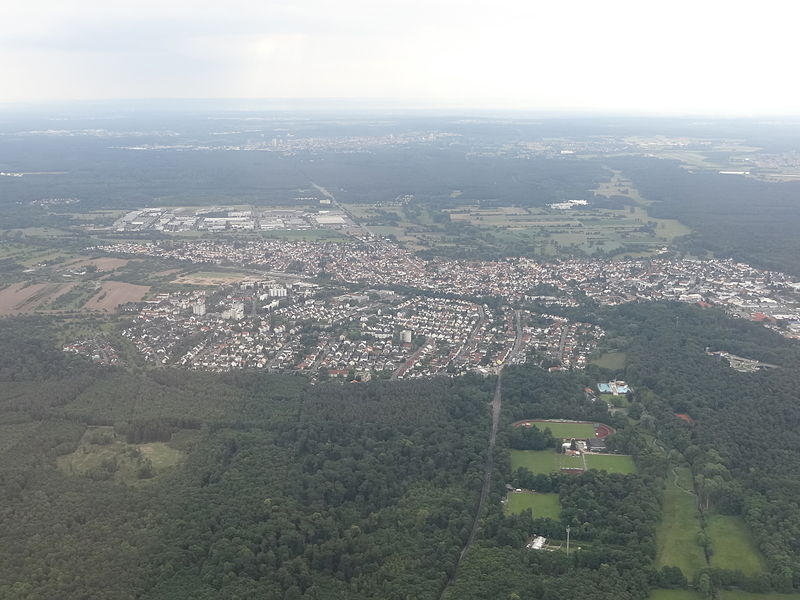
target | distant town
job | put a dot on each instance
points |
(374, 309)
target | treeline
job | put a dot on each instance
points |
(289, 491)
(738, 217)
(744, 446)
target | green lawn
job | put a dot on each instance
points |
(536, 461)
(568, 430)
(542, 505)
(733, 545)
(543, 461)
(676, 534)
(610, 360)
(675, 595)
(611, 463)
(740, 595)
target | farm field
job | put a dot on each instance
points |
(610, 360)
(733, 545)
(114, 293)
(21, 298)
(542, 505)
(567, 429)
(676, 535)
(211, 278)
(611, 463)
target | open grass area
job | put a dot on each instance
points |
(610, 360)
(676, 535)
(742, 595)
(544, 461)
(675, 595)
(542, 505)
(102, 455)
(611, 463)
(567, 430)
(733, 545)
(536, 461)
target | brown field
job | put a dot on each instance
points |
(18, 298)
(211, 278)
(114, 293)
(102, 264)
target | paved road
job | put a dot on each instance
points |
(487, 480)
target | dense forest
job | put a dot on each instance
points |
(159, 483)
(277, 493)
(747, 219)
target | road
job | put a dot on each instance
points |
(487, 481)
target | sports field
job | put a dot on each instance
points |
(676, 535)
(675, 595)
(610, 360)
(741, 595)
(566, 429)
(544, 461)
(733, 545)
(542, 505)
(610, 462)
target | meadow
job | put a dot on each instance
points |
(567, 429)
(733, 545)
(611, 462)
(541, 505)
(676, 535)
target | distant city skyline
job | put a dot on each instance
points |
(712, 57)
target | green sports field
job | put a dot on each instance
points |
(542, 505)
(543, 461)
(675, 595)
(676, 535)
(733, 545)
(611, 463)
(568, 430)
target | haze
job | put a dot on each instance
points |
(677, 57)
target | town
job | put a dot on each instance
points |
(741, 290)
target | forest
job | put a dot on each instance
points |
(133, 483)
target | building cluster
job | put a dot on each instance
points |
(375, 333)
(742, 290)
(98, 349)
(230, 219)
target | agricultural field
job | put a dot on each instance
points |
(103, 455)
(565, 429)
(211, 278)
(733, 545)
(114, 293)
(20, 298)
(676, 536)
(542, 505)
(613, 463)
(614, 361)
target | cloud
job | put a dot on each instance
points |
(706, 56)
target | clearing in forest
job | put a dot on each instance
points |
(542, 505)
(613, 463)
(733, 546)
(563, 429)
(676, 535)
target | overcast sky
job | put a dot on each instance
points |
(699, 56)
